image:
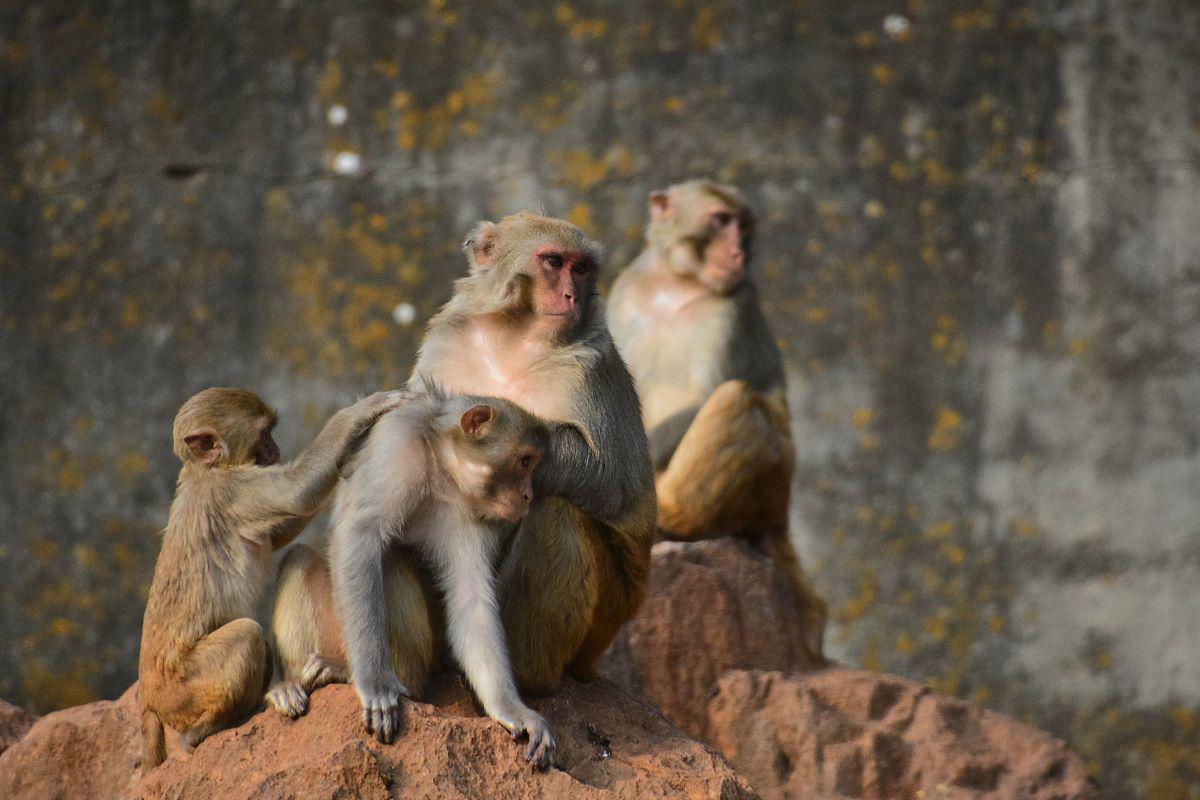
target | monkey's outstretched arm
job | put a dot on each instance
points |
(283, 498)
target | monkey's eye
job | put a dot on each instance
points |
(581, 267)
(526, 461)
(722, 218)
(553, 261)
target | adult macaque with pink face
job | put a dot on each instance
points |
(686, 317)
(527, 324)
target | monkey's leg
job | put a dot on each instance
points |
(735, 444)
(308, 641)
(617, 602)
(548, 590)
(413, 619)
(222, 684)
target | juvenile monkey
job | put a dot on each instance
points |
(203, 661)
(449, 476)
(686, 317)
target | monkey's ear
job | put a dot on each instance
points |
(660, 205)
(481, 245)
(205, 445)
(476, 420)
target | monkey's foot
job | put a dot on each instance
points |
(321, 671)
(527, 722)
(288, 698)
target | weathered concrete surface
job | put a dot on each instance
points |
(979, 248)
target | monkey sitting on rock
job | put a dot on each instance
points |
(204, 663)
(685, 316)
(449, 476)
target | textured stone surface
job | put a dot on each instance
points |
(847, 733)
(610, 745)
(978, 248)
(711, 607)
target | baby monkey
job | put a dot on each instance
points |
(449, 476)
(204, 662)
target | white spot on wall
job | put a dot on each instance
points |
(337, 115)
(896, 26)
(347, 163)
(404, 314)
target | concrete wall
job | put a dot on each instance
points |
(980, 247)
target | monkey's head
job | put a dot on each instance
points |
(533, 267)
(225, 428)
(703, 230)
(490, 448)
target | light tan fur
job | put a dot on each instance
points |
(204, 661)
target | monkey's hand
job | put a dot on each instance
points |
(381, 706)
(525, 721)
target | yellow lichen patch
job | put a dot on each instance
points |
(131, 314)
(70, 476)
(946, 428)
(705, 33)
(131, 465)
(883, 74)
(330, 83)
(64, 289)
(580, 216)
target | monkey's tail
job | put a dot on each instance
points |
(153, 740)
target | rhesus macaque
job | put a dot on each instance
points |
(527, 324)
(448, 476)
(204, 662)
(686, 317)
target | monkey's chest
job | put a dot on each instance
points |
(678, 357)
(537, 384)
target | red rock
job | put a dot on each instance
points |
(716, 648)
(85, 751)
(610, 745)
(848, 733)
(711, 607)
(15, 722)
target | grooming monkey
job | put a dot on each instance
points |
(448, 476)
(527, 325)
(686, 317)
(203, 661)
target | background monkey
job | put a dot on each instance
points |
(686, 317)
(448, 475)
(203, 661)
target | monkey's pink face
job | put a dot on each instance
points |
(563, 285)
(514, 488)
(727, 233)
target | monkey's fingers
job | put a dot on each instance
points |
(540, 751)
(391, 723)
(366, 716)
